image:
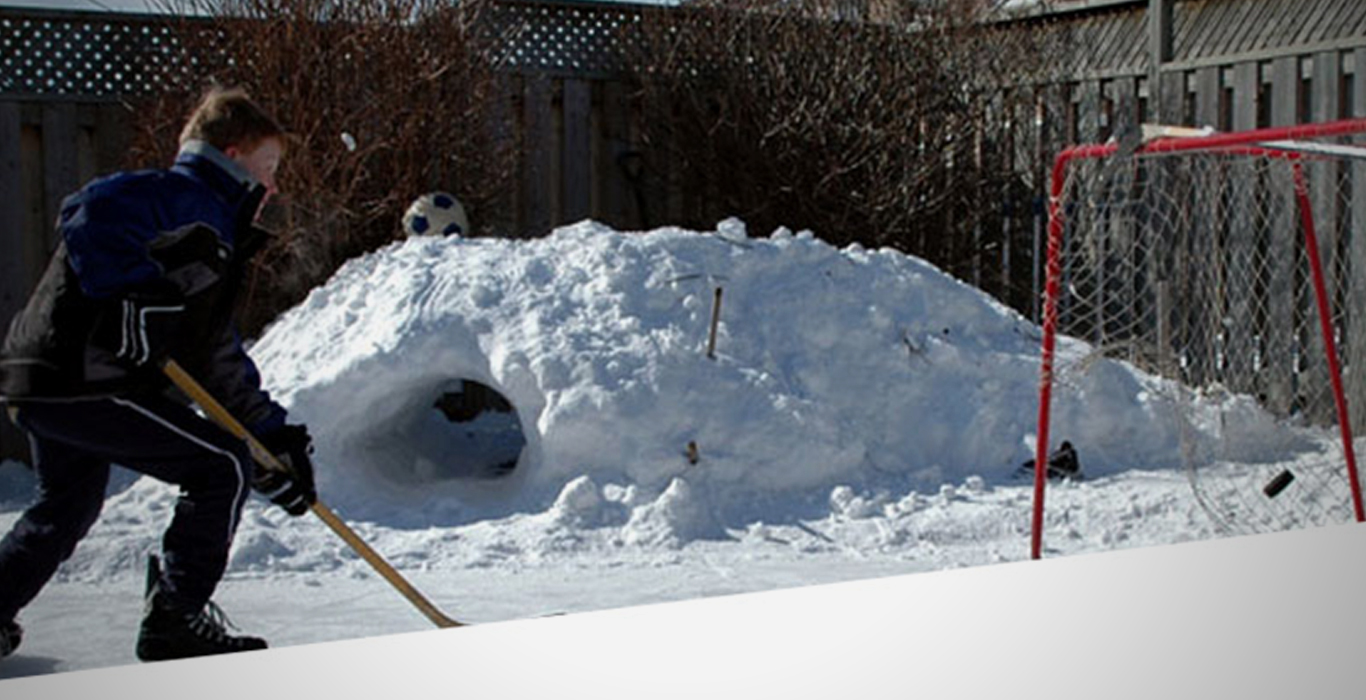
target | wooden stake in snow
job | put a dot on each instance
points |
(715, 320)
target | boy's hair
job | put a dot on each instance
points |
(228, 117)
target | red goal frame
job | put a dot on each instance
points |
(1280, 143)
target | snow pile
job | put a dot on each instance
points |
(832, 367)
(858, 400)
(864, 415)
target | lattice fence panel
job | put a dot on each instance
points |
(583, 39)
(90, 55)
(104, 55)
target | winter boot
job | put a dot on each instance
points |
(10, 635)
(172, 630)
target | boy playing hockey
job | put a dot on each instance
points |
(147, 269)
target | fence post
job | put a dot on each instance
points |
(14, 270)
(1281, 301)
(577, 163)
(1160, 47)
(1323, 187)
(538, 139)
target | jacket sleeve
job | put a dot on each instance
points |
(111, 232)
(108, 229)
(228, 372)
(120, 253)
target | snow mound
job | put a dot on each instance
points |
(832, 367)
(860, 404)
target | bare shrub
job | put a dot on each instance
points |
(880, 123)
(382, 100)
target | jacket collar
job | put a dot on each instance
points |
(230, 181)
(194, 149)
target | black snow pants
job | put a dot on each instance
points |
(73, 445)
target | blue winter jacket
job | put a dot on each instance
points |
(148, 267)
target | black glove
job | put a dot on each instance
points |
(293, 491)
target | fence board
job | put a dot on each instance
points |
(674, 202)
(1126, 114)
(1214, 17)
(114, 132)
(1231, 40)
(1342, 18)
(1207, 93)
(1355, 23)
(1243, 293)
(538, 152)
(1088, 129)
(1281, 302)
(15, 268)
(1037, 139)
(616, 194)
(1356, 306)
(1282, 28)
(1171, 104)
(577, 168)
(1323, 182)
(1318, 18)
(502, 136)
(85, 139)
(1327, 106)
(1183, 18)
(32, 199)
(1246, 85)
(1107, 39)
(61, 166)
(1245, 38)
(1221, 43)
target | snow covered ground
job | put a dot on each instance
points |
(863, 415)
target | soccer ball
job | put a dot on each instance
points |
(435, 214)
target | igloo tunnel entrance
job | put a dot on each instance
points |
(484, 423)
(455, 429)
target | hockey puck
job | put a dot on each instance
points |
(1274, 487)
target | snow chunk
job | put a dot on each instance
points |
(578, 503)
(844, 502)
(677, 517)
(258, 550)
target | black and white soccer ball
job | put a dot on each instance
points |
(435, 214)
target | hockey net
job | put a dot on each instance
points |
(1221, 265)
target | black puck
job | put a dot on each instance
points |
(1274, 487)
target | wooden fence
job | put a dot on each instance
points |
(580, 154)
(47, 149)
(1230, 64)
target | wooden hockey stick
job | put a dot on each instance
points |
(220, 415)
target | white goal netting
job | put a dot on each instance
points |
(1207, 261)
